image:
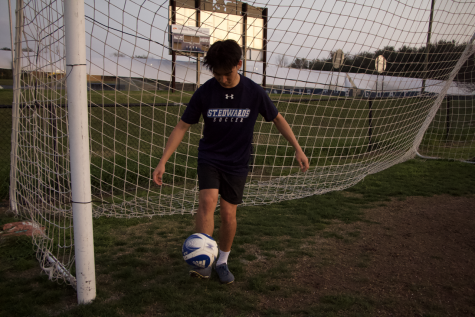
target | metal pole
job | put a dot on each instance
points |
(198, 70)
(264, 48)
(173, 4)
(11, 31)
(173, 71)
(244, 37)
(370, 117)
(331, 81)
(370, 123)
(75, 32)
(426, 63)
(198, 12)
(377, 79)
(449, 104)
(16, 65)
(198, 62)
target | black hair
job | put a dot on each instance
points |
(223, 55)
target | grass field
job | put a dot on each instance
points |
(140, 271)
(126, 141)
(6, 82)
(139, 261)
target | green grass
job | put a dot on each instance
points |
(453, 138)
(99, 98)
(140, 271)
(127, 142)
(6, 97)
(139, 266)
(6, 82)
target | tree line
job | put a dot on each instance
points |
(404, 62)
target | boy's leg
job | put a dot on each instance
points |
(204, 219)
(204, 223)
(227, 230)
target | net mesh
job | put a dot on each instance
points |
(351, 121)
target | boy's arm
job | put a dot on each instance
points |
(284, 128)
(172, 144)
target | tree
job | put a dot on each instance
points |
(320, 64)
(433, 62)
(300, 63)
(281, 60)
(118, 54)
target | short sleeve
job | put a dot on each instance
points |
(267, 108)
(192, 112)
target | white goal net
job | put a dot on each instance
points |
(352, 115)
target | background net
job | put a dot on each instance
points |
(351, 121)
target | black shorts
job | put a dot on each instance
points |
(231, 187)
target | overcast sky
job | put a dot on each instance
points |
(5, 24)
(297, 28)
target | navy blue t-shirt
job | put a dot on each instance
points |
(229, 117)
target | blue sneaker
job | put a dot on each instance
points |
(200, 272)
(225, 276)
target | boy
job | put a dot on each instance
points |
(229, 104)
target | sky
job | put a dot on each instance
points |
(297, 28)
(5, 24)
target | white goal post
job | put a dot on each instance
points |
(97, 93)
(76, 81)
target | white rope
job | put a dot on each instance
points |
(346, 131)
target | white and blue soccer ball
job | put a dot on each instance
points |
(200, 250)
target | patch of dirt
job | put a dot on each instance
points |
(412, 258)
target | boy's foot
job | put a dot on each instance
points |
(200, 272)
(225, 277)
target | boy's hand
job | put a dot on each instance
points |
(158, 174)
(302, 160)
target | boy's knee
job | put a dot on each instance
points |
(228, 218)
(208, 201)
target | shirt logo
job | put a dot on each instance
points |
(230, 96)
(234, 115)
(231, 113)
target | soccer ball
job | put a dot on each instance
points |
(200, 250)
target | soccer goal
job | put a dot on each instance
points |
(99, 86)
